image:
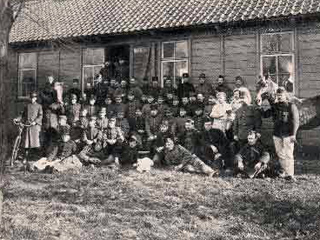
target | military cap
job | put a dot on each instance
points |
(63, 117)
(281, 90)
(202, 75)
(155, 79)
(185, 75)
(33, 94)
(92, 97)
(103, 110)
(73, 96)
(75, 80)
(154, 106)
(175, 97)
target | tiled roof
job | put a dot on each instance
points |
(51, 19)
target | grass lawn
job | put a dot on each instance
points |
(101, 204)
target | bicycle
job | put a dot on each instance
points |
(17, 142)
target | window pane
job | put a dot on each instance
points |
(180, 68)
(168, 70)
(182, 49)
(93, 56)
(27, 60)
(269, 43)
(269, 65)
(87, 76)
(27, 82)
(285, 64)
(142, 62)
(168, 50)
(285, 43)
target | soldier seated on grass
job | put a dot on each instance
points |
(252, 160)
(181, 159)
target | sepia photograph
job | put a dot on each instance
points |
(160, 119)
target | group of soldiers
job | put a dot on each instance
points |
(201, 128)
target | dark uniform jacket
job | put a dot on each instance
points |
(123, 124)
(62, 150)
(285, 117)
(247, 118)
(189, 139)
(206, 89)
(216, 138)
(73, 112)
(184, 89)
(179, 155)
(92, 134)
(224, 88)
(129, 155)
(153, 124)
(199, 122)
(131, 108)
(251, 155)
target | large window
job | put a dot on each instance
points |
(93, 60)
(27, 74)
(277, 57)
(174, 60)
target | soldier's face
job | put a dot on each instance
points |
(198, 112)
(118, 100)
(238, 83)
(108, 101)
(192, 99)
(211, 100)
(169, 96)
(123, 83)
(155, 83)
(185, 100)
(50, 79)
(154, 112)
(207, 126)
(175, 102)
(138, 112)
(169, 144)
(65, 138)
(143, 98)
(160, 100)
(182, 113)
(132, 144)
(281, 97)
(168, 83)
(74, 101)
(236, 95)
(252, 139)
(102, 115)
(33, 100)
(92, 102)
(163, 128)
(188, 126)
(92, 123)
(120, 115)
(130, 97)
(220, 81)
(62, 122)
(201, 80)
(112, 123)
(150, 99)
(113, 82)
(200, 97)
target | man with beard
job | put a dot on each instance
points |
(204, 87)
(223, 87)
(185, 88)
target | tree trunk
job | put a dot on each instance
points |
(6, 21)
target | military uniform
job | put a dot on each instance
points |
(181, 156)
(62, 150)
(73, 113)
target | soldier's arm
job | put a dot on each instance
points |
(295, 120)
(257, 120)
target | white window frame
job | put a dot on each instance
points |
(174, 59)
(20, 74)
(277, 55)
(92, 66)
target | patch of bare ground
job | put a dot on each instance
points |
(101, 204)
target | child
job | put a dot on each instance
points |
(102, 121)
(220, 112)
(123, 124)
(161, 105)
(152, 123)
(107, 106)
(159, 142)
(181, 120)
(175, 106)
(140, 126)
(118, 106)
